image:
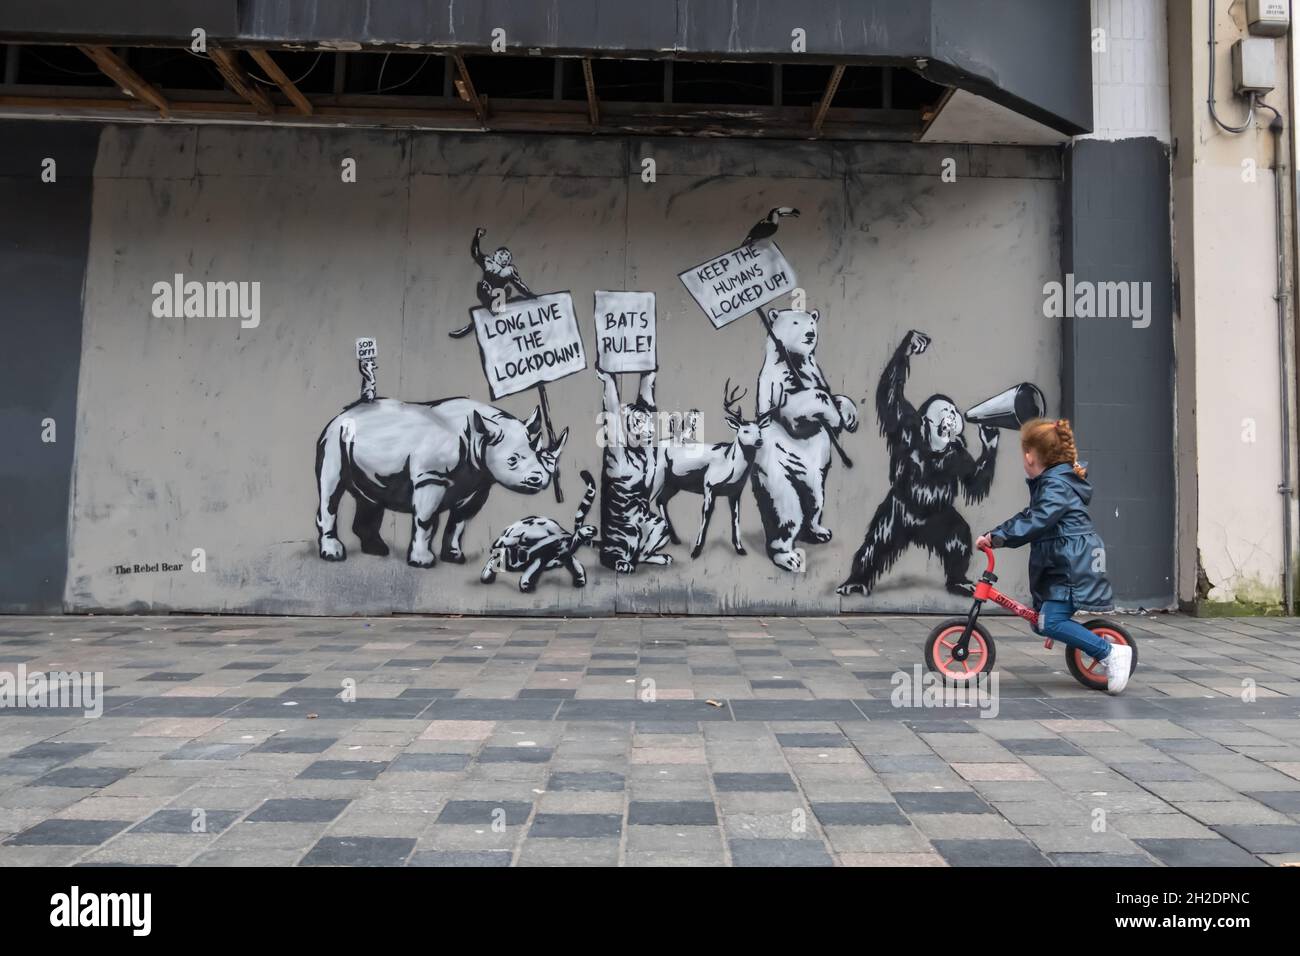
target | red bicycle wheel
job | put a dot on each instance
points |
(1090, 672)
(939, 646)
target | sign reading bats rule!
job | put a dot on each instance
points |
(625, 332)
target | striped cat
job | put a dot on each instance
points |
(631, 532)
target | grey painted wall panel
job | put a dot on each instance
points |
(564, 24)
(120, 19)
(196, 433)
(1118, 380)
(1029, 50)
(44, 237)
(831, 27)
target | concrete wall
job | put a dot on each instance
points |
(1228, 381)
(200, 434)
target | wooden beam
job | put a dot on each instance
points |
(128, 80)
(465, 86)
(239, 81)
(593, 104)
(526, 115)
(272, 69)
(832, 85)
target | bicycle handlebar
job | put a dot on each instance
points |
(989, 553)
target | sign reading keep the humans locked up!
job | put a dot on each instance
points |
(528, 343)
(625, 332)
(738, 282)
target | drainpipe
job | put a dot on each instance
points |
(1277, 127)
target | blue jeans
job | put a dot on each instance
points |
(1054, 621)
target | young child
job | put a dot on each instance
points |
(1065, 548)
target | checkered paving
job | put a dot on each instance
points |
(641, 742)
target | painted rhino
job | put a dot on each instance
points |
(424, 458)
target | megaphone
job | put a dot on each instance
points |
(1010, 409)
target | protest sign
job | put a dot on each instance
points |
(739, 282)
(625, 332)
(528, 343)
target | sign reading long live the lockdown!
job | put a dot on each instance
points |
(529, 342)
(625, 332)
(738, 282)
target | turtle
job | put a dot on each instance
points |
(534, 544)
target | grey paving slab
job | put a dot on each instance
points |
(295, 745)
(54, 751)
(812, 740)
(752, 782)
(859, 814)
(359, 851)
(206, 751)
(1101, 860)
(941, 802)
(1283, 801)
(575, 825)
(598, 780)
(990, 853)
(187, 821)
(344, 770)
(96, 777)
(1196, 852)
(429, 763)
(749, 735)
(1263, 838)
(758, 852)
(68, 833)
(298, 810)
(469, 858)
(478, 812)
(672, 813)
(515, 754)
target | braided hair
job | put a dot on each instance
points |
(1053, 442)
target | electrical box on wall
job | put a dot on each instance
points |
(1269, 18)
(1253, 65)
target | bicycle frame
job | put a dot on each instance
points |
(985, 591)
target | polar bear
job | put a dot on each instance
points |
(794, 457)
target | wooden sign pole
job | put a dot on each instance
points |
(550, 436)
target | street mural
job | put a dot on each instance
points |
(718, 470)
(928, 463)
(430, 458)
(802, 420)
(534, 545)
(631, 532)
(424, 459)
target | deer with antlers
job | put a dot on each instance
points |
(714, 471)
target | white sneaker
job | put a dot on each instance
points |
(1118, 663)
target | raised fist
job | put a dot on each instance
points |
(989, 436)
(480, 232)
(917, 342)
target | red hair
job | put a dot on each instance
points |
(1053, 442)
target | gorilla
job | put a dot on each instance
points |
(928, 460)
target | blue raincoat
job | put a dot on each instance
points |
(1065, 550)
